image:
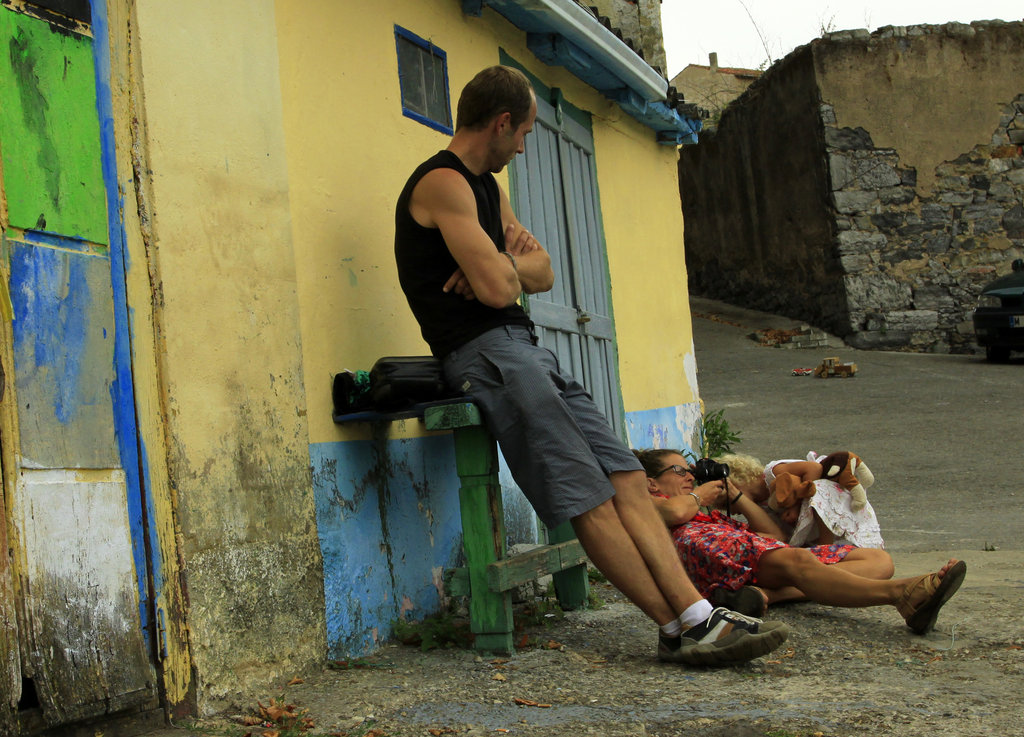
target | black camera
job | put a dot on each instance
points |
(707, 469)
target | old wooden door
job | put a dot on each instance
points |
(72, 641)
(554, 192)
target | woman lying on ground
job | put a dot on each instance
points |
(721, 553)
(823, 519)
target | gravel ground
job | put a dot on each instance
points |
(842, 672)
(941, 434)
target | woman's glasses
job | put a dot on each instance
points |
(676, 469)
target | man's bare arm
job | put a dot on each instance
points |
(532, 260)
(443, 199)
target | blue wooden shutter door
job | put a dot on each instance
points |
(554, 191)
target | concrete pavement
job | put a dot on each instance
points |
(943, 434)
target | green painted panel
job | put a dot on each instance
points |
(49, 130)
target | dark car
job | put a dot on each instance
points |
(999, 318)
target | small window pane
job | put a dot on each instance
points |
(423, 78)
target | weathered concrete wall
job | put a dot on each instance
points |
(918, 131)
(222, 269)
(754, 199)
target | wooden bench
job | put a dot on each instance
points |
(490, 574)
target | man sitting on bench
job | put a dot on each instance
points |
(463, 259)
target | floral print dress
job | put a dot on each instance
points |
(721, 552)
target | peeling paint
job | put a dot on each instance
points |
(86, 654)
(52, 173)
(690, 370)
(383, 537)
(53, 307)
(388, 522)
(668, 427)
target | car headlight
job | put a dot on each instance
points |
(990, 300)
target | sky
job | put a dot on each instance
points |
(694, 28)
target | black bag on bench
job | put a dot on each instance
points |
(397, 382)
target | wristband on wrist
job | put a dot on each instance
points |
(739, 496)
(695, 498)
(515, 266)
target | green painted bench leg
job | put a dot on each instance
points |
(483, 537)
(571, 585)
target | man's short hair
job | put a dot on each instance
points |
(490, 93)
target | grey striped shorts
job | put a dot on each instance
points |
(558, 446)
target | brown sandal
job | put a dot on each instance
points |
(924, 596)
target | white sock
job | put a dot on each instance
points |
(672, 629)
(695, 613)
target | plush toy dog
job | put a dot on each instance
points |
(788, 489)
(844, 468)
(849, 471)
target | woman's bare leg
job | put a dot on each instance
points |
(831, 585)
(865, 562)
(784, 595)
(868, 563)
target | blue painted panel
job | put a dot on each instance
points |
(388, 523)
(668, 427)
(63, 348)
(141, 518)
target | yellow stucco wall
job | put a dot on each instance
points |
(271, 148)
(644, 233)
(220, 263)
(349, 153)
(339, 68)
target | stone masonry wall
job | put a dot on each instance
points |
(913, 264)
(913, 255)
(920, 132)
(639, 23)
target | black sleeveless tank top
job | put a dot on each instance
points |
(447, 320)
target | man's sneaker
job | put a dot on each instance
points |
(724, 638)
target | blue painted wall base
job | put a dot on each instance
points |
(388, 523)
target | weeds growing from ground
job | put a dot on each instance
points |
(716, 435)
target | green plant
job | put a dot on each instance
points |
(716, 435)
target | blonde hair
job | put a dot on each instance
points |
(743, 469)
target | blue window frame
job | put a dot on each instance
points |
(423, 79)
